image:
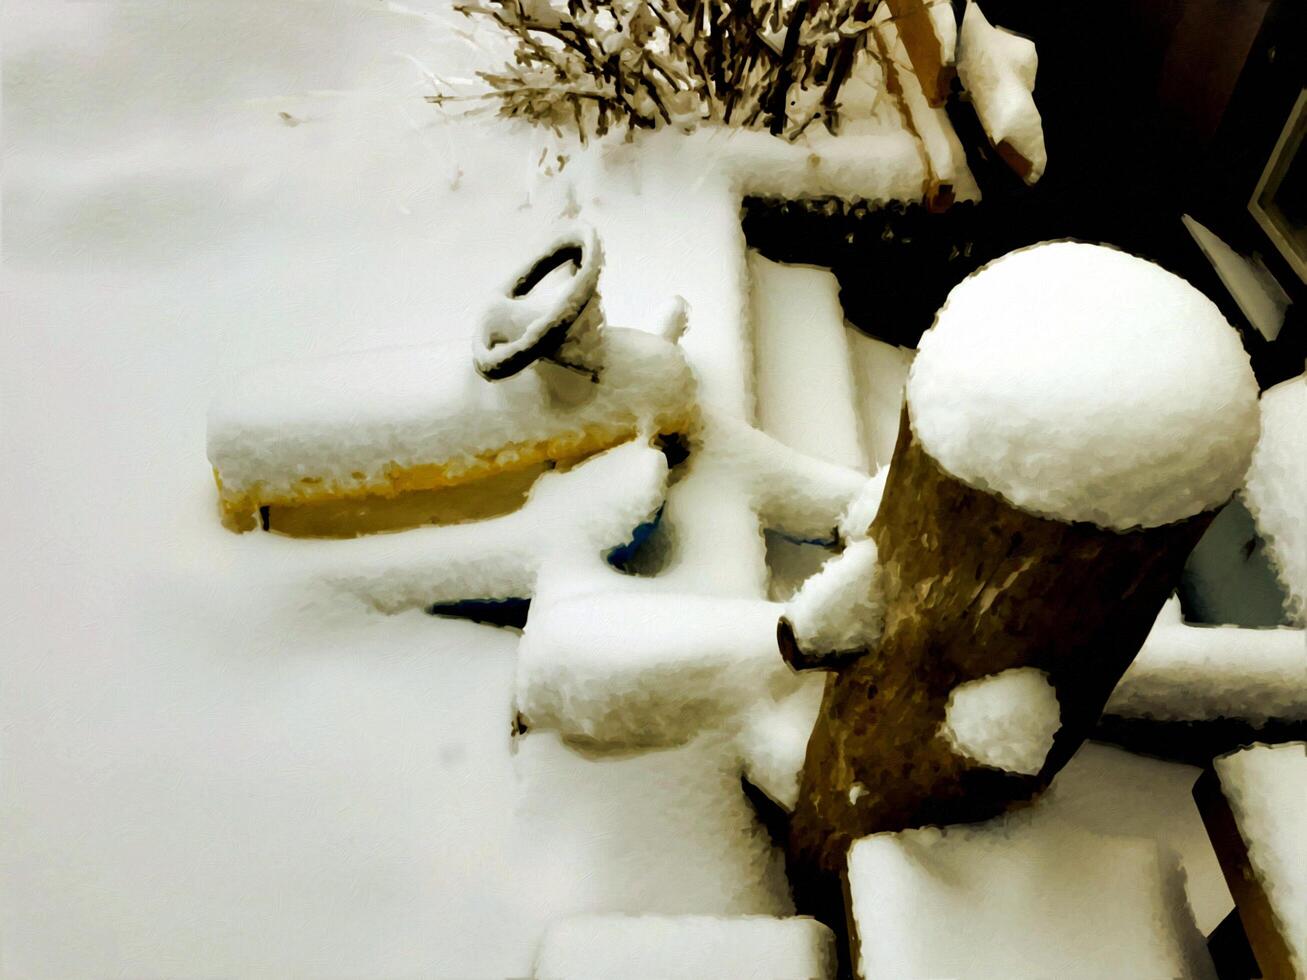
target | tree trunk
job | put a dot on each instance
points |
(973, 586)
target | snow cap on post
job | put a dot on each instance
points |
(1082, 383)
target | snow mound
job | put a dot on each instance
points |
(673, 947)
(1275, 488)
(644, 668)
(1015, 897)
(1085, 384)
(1006, 720)
(997, 68)
(1265, 786)
(840, 609)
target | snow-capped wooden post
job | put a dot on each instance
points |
(1073, 421)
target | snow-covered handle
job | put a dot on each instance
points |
(531, 321)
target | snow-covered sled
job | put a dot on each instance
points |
(406, 436)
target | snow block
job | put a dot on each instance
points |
(1016, 898)
(645, 668)
(1203, 673)
(804, 374)
(661, 947)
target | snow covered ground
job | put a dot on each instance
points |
(209, 768)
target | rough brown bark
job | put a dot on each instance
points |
(973, 586)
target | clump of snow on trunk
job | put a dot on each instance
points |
(1006, 720)
(840, 608)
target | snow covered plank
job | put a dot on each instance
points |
(1251, 802)
(806, 395)
(1017, 897)
(1195, 690)
(662, 947)
(880, 371)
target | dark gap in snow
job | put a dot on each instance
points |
(1228, 579)
(1194, 743)
(492, 612)
(1231, 953)
(639, 555)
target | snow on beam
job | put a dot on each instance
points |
(1199, 673)
(1251, 802)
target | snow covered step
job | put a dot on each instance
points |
(806, 395)
(665, 831)
(1252, 803)
(688, 947)
(645, 668)
(1018, 897)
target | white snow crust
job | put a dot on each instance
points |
(1265, 786)
(658, 947)
(1084, 384)
(1026, 895)
(665, 831)
(1275, 491)
(1006, 720)
(997, 69)
(840, 609)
